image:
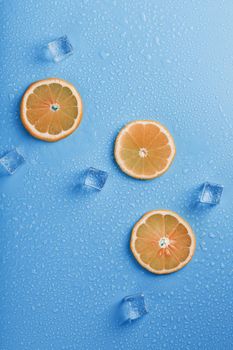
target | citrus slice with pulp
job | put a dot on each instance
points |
(162, 242)
(144, 149)
(51, 109)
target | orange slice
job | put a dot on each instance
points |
(162, 242)
(144, 149)
(51, 109)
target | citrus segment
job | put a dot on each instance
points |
(162, 242)
(51, 109)
(144, 149)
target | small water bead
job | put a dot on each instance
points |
(104, 55)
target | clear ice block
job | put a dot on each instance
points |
(59, 49)
(95, 178)
(211, 193)
(11, 161)
(133, 307)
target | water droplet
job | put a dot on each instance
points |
(157, 40)
(104, 54)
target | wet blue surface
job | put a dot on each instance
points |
(65, 260)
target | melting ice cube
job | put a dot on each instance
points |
(133, 307)
(211, 193)
(11, 161)
(59, 49)
(95, 178)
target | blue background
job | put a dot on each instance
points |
(65, 259)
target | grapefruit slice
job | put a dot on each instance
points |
(162, 242)
(51, 109)
(144, 149)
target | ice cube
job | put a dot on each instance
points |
(95, 178)
(133, 307)
(211, 193)
(59, 49)
(11, 161)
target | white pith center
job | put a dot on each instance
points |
(143, 152)
(164, 242)
(54, 107)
